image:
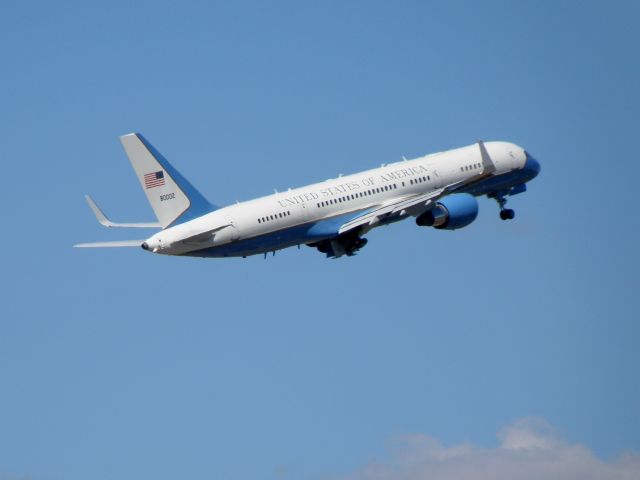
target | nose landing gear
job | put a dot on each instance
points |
(505, 213)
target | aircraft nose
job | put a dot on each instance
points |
(145, 246)
(531, 166)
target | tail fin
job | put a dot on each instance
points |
(172, 197)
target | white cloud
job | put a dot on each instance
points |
(529, 449)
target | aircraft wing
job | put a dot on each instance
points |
(396, 208)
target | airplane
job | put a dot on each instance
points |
(437, 190)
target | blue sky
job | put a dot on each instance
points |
(121, 364)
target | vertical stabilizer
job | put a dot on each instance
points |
(172, 197)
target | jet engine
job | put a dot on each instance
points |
(450, 213)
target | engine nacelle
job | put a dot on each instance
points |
(452, 212)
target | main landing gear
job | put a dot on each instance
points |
(505, 213)
(347, 244)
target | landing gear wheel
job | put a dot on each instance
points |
(507, 214)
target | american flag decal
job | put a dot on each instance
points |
(154, 179)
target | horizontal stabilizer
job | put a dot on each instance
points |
(102, 218)
(116, 244)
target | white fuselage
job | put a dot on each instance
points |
(334, 197)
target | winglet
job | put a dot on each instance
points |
(102, 218)
(487, 164)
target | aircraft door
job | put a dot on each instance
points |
(436, 179)
(303, 212)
